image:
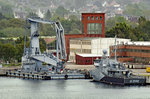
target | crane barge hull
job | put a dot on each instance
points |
(47, 76)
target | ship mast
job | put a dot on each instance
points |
(115, 47)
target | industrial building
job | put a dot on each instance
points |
(93, 25)
(93, 46)
(133, 52)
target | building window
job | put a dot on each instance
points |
(75, 42)
(101, 17)
(88, 18)
(94, 28)
(86, 42)
(92, 18)
(82, 28)
(86, 50)
(86, 61)
(96, 18)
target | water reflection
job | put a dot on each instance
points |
(109, 86)
(14, 88)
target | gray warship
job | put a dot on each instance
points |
(113, 72)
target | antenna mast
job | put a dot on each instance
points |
(115, 47)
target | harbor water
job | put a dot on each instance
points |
(15, 88)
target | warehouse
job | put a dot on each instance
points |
(133, 52)
(92, 46)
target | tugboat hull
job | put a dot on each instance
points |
(123, 81)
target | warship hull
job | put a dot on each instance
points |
(123, 81)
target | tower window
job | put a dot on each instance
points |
(82, 28)
(88, 18)
(92, 18)
(94, 28)
(101, 17)
(96, 18)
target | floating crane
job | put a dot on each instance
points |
(33, 59)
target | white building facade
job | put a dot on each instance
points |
(93, 46)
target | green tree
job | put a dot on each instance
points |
(114, 20)
(13, 32)
(61, 11)
(57, 18)
(1, 49)
(8, 52)
(42, 45)
(1, 16)
(7, 11)
(32, 15)
(20, 40)
(73, 17)
(4, 24)
(48, 15)
(19, 44)
(19, 51)
(122, 30)
(138, 33)
(75, 31)
(67, 25)
(12, 27)
(47, 30)
(2, 35)
(19, 23)
(142, 31)
(142, 20)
